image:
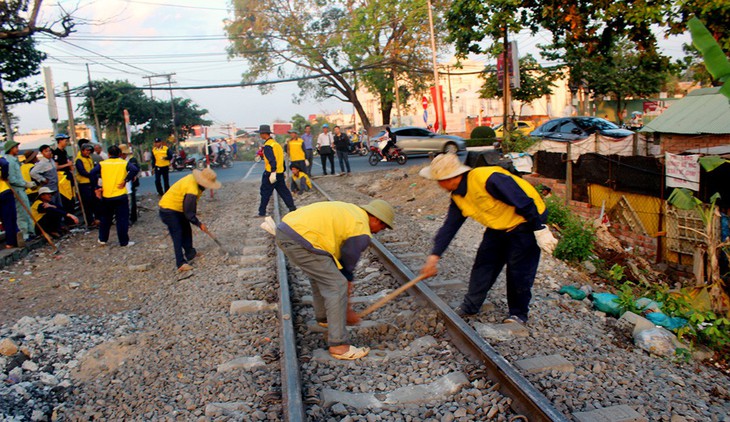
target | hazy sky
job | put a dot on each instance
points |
(186, 37)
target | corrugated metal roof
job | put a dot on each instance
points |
(701, 111)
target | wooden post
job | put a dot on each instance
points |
(569, 176)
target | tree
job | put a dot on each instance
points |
(14, 27)
(331, 39)
(535, 81)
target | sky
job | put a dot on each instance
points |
(130, 39)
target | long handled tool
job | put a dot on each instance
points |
(370, 309)
(218, 242)
(43, 232)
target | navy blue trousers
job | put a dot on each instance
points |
(344, 158)
(162, 174)
(519, 251)
(267, 189)
(181, 234)
(9, 217)
(89, 201)
(117, 207)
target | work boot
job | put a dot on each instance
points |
(184, 267)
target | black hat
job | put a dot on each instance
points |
(265, 129)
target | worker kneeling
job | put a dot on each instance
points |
(325, 240)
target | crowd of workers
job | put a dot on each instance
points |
(325, 239)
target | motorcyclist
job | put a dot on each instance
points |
(390, 140)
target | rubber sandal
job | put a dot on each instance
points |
(352, 353)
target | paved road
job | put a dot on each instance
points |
(248, 170)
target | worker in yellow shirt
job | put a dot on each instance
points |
(31, 157)
(273, 177)
(178, 208)
(84, 164)
(295, 149)
(115, 173)
(161, 156)
(300, 182)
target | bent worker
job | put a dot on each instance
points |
(514, 215)
(178, 208)
(300, 182)
(115, 174)
(48, 216)
(273, 177)
(325, 240)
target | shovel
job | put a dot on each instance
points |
(392, 295)
(220, 245)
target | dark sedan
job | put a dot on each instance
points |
(577, 128)
(417, 140)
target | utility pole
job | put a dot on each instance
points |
(451, 97)
(397, 97)
(168, 76)
(438, 99)
(506, 126)
(5, 117)
(97, 127)
(74, 146)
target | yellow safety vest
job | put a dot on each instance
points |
(484, 208)
(64, 185)
(25, 169)
(113, 173)
(174, 197)
(88, 164)
(296, 153)
(161, 156)
(34, 210)
(328, 234)
(4, 185)
(278, 154)
(302, 175)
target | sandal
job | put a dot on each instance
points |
(352, 353)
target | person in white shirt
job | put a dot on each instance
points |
(326, 148)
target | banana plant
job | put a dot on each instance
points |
(716, 61)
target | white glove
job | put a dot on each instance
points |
(272, 178)
(29, 185)
(306, 163)
(269, 225)
(545, 240)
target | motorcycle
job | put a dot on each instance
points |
(259, 154)
(395, 154)
(358, 149)
(224, 160)
(182, 162)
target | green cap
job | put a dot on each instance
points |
(381, 210)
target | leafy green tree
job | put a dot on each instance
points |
(331, 39)
(19, 19)
(535, 81)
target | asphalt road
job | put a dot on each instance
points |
(249, 170)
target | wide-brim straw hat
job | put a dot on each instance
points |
(207, 178)
(444, 166)
(30, 155)
(381, 210)
(45, 189)
(124, 148)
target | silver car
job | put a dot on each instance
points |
(417, 140)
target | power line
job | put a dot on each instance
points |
(174, 5)
(104, 56)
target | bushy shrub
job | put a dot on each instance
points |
(517, 142)
(488, 142)
(558, 212)
(576, 236)
(483, 132)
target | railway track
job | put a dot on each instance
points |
(425, 362)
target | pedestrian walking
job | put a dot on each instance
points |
(161, 156)
(308, 148)
(178, 209)
(342, 145)
(84, 164)
(295, 149)
(8, 216)
(325, 146)
(115, 173)
(325, 240)
(514, 215)
(19, 185)
(274, 168)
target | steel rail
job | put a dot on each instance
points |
(291, 384)
(526, 399)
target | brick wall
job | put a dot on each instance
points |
(676, 143)
(644, 245)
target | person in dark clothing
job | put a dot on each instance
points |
(115, 173)
(342, 146)
(178, 209)
(273, 176)
(161, 156)
(47, 215)
(127, 155)
(514, 215)
(84, 165)
(8, 215)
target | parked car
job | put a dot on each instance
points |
(523, 126)
(417, 140)
(577, 128)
